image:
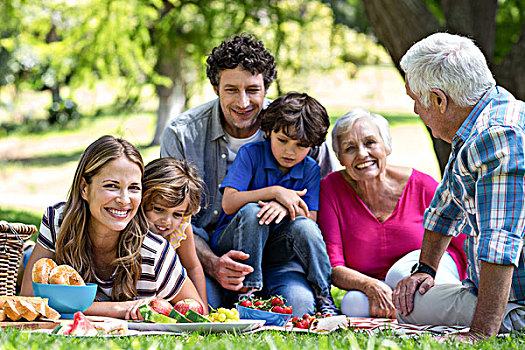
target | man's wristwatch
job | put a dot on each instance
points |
(420, 267)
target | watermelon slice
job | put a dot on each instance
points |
(81, 326)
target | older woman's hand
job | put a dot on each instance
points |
(380, 299)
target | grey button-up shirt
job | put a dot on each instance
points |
(197, 135)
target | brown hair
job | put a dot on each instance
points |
(73, 244)
(170, 181)
(244, 51)
(301, 112)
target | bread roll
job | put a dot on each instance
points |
(65, 274)
(41, 270)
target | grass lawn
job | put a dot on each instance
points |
(14, 339)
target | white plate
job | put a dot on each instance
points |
(211, 327)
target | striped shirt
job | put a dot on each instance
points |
(162, 273)
(482, 191)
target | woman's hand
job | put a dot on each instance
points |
(132, 312)
(380, 299)
(292, 201)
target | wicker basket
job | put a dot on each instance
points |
(12, 238)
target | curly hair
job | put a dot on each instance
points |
(74, 246)
(170, 181)
(243, 50)
(303, 113)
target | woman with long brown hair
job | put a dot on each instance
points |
(102, 232)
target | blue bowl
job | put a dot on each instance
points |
(66, 299)
(271, 318)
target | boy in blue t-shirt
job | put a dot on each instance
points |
(271, 197)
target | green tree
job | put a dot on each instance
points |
(497, 26)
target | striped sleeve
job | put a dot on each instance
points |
(162, 272)
(47, 235)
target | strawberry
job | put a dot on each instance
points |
(277, 301)
(246, 303)
(278, 309)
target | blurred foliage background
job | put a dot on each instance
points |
(87, 57)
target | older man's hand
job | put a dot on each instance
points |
(403, 295)
(230, 273)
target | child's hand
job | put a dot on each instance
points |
(292, 201)
(271, 211)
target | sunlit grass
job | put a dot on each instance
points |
(14, 339)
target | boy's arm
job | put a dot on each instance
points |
(233, 200)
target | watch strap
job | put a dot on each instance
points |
(420, 267)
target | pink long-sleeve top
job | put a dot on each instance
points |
(355, 238)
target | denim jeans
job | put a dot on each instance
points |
(275, 244)
(278, 280)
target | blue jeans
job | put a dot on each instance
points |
(276, 244)
(278, 280)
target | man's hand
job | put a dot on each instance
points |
(230, 273)
(406, 288)
(380, 299)
(271, 211)
(292, 201)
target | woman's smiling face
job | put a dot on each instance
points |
(362, 151)
(113, 196)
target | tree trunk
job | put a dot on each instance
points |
(475, 19)
(399, 24)
(172, 99)
(510, 72)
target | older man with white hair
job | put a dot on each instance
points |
(481, 194)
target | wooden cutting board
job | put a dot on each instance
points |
(29, 325)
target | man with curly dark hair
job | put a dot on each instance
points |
(241, 71)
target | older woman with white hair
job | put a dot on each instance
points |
(371, 214)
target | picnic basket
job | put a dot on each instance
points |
(12, 238)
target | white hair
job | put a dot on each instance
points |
(451, 63)
(347, 121)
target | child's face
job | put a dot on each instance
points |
(287, 151)
(164, 220)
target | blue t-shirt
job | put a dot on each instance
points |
(255, 167)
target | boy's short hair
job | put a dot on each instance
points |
(302, 113)
(243, 50)
(170, 181)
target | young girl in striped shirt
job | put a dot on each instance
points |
(171, 194)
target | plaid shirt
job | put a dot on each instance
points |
(482, 191)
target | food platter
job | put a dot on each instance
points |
(208, 327)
